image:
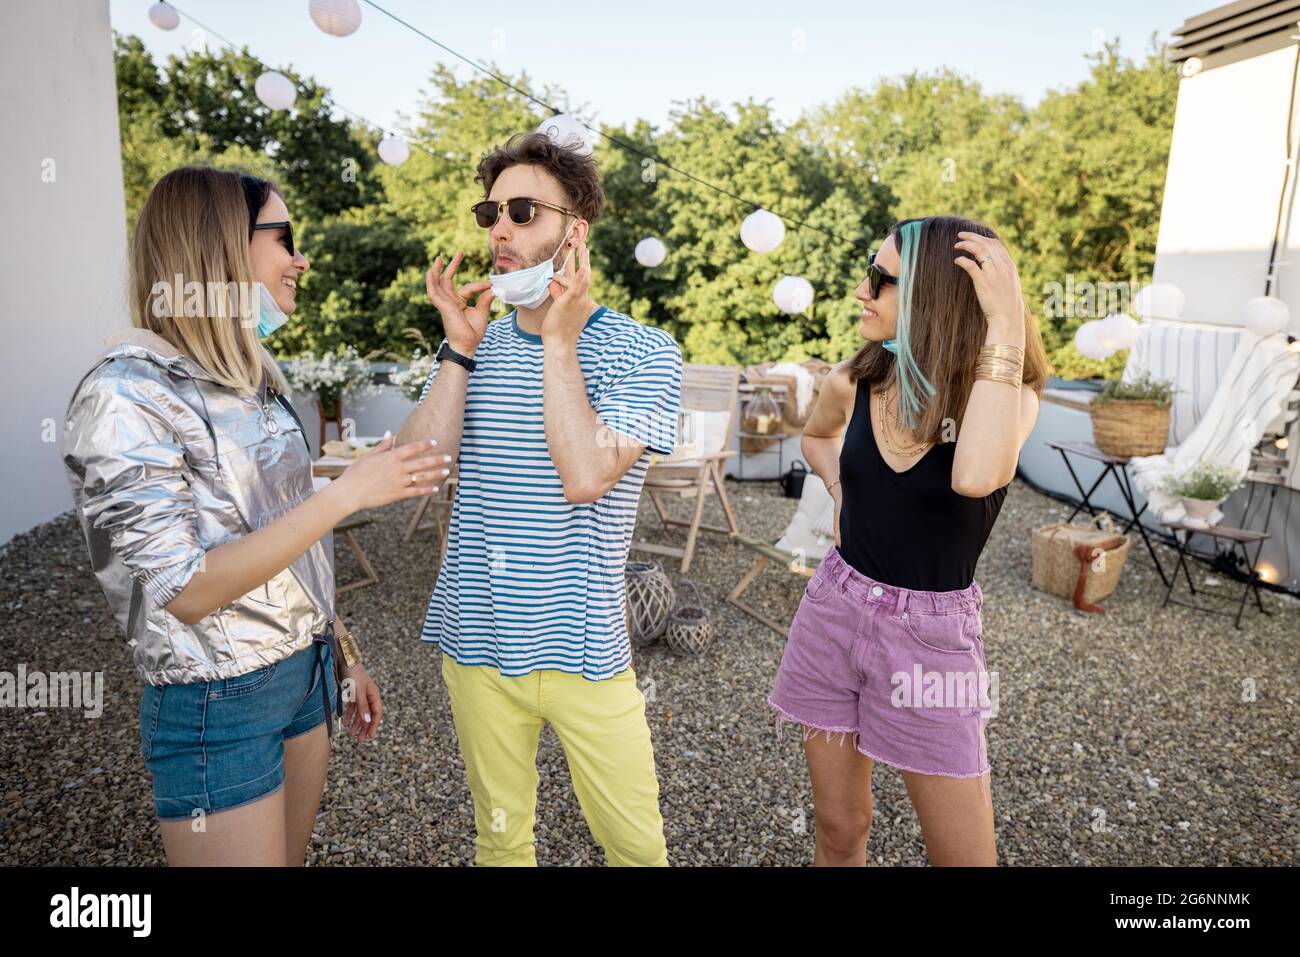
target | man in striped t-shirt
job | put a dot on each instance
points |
(554, 410)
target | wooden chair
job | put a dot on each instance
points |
(349, 531)
(705, 388)
(806, 540)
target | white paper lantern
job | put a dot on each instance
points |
(567, 130)
(793, 294)
(338, 18)
(1265, 315)
(650, 252)
(762, 231)
(1118, 331)
(1159, 300)
(275, 90)
(1087, 340)
(164, 17)
(393, 150)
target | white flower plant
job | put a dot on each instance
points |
(329, 376)
(411, 379)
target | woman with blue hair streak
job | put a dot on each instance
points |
(917, 438)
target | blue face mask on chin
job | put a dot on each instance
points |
(891, 345)
(270, 316)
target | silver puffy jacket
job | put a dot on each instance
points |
(166, 464)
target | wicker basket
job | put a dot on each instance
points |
(1130, 427)
(649, 601)
(1056, 566)
(689, 631)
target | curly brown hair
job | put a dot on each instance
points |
(577, 174)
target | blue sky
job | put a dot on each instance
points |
(627, 60)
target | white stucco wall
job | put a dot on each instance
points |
(1226, 165)
(63, 246)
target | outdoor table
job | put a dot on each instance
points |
(1238, 539)
(324, 470)
(441, 502)
(1116, 466)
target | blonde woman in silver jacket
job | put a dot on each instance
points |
(191, 477)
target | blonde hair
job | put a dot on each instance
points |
(192, 237)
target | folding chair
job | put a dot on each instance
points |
(799, 550)
(705, 388)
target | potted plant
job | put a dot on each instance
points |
(1132, 417)
(1202, 488)
(328, 377)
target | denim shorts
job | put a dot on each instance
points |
(899, 669)
(214, 745)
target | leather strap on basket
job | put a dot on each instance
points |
(1087, 554)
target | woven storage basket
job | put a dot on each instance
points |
(649, 601)
(1130, 427)
(689, 631)
(1056, 567)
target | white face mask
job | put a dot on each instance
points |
(529, 287)
(270, 316)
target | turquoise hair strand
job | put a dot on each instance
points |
(910, 377)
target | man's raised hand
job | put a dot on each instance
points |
(463, 323)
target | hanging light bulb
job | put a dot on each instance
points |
(793, 294)
(1087, 340)
(164, 17)
(393, 150)
(1120, 328)
(1265, 315)
(567, 130)
(275, 90)
(338, 18)
(762, 231)
(650, 252)
(1159, 300)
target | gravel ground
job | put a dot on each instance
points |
(1120, 739)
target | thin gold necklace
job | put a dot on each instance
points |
(885, 414)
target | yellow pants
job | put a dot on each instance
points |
(602, 727)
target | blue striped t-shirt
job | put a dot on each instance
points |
(531, 581)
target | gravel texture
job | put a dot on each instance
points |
(1121, 738)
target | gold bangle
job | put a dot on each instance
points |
(348, 645)
(1000, 350)
(999, 366)
(998, 377)
(1009, 364)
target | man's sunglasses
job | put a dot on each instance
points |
(286, 240)
(877, 277)
(521, 211)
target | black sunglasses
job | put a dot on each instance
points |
(256, 192)
(521, 211)
(286, 240)
(877, 277)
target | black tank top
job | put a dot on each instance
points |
(908, 529)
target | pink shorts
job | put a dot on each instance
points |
(901, 670)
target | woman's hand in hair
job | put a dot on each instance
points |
(464, 324)
(996, 281)
(386, 474)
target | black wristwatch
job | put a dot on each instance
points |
(447, 352)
